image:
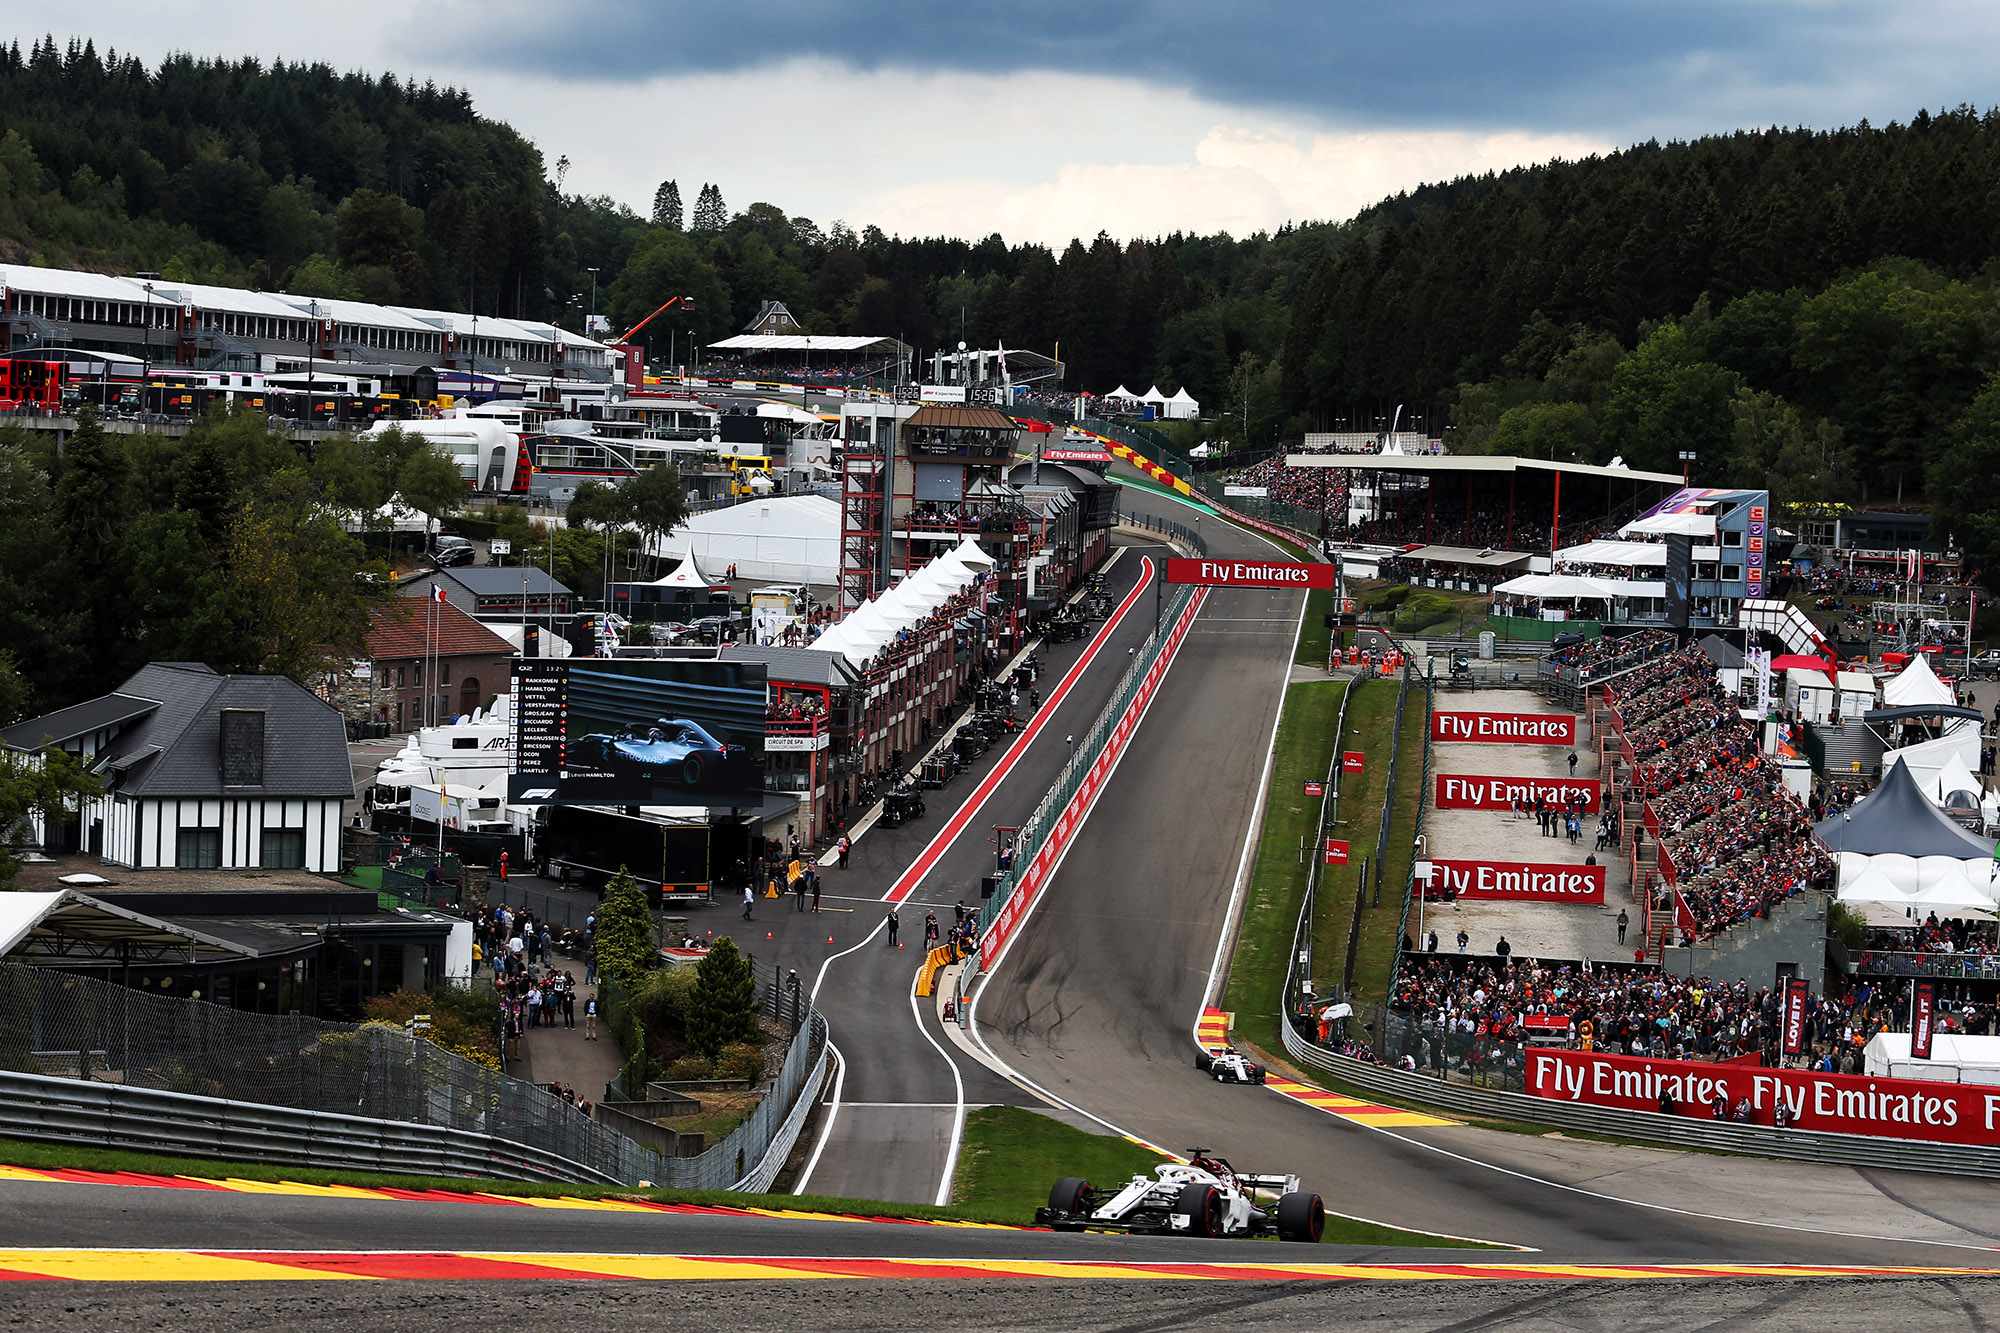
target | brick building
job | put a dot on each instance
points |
(430, 662)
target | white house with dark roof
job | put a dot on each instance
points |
(203, 771)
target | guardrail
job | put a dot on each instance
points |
(1646, 1126)
(112, 1115)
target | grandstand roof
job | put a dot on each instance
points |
(1472, 463)
(1466, 555)
(807, 342)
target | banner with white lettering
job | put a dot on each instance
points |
(1518, 880)
(1795, 1015)
(1249, 573)
(1505, 728)
(1458, 791)
(1923, 1020)
(1898, 1108)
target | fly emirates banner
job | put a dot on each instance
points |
(1505, 728)
(1897, 1108)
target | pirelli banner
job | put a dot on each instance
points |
(1898, 1108)
(1505, 728)
(1458, 791)
(1519, 881)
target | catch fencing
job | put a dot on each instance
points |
(86, 1032)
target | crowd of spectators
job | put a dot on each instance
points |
(1460, 1014)
(1734, 841)
(1604, 654)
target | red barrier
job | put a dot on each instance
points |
(1829, 1103)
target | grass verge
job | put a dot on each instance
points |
(1022, 1153)
(1012, 1156)
(1277, 885)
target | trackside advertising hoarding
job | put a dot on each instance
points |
(1249, 573)
(1897, 1108)
(1505, 728)
(1522, 881)
(1458, 791)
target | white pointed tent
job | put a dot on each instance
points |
(687, 574)
(863, 632)
(1916, 684)
(1121, 394)
(1154, 397)
(1182, 406)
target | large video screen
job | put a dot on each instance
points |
(597, 732)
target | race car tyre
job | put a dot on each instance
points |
(1204, 1061)
(1068, 1194)
(1256, 1073)
(1301, 1217)
(1201, 1205)
(692, 770)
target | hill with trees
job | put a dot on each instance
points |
(1813, 310)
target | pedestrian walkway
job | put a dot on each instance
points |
(561, 1055)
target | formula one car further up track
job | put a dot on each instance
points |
(1204, 1197)
(1229, 1067)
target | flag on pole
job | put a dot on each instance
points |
(437, 593)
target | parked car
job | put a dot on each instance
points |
(449, 551)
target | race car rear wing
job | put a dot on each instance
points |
(1274, 1184)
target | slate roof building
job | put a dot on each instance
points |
(203, 771)
(493, 592)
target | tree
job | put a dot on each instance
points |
(291, 572)
(667, 206)
(624, 938)
(656, 499)
(1664, 402)
(599, 504)
(430, 484)
(1963, 510)
(45, 785)
(710, 215)
(723, 1008)
(1559, 432)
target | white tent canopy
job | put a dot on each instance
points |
(1926, 882)
(1182, 406)
(1153, 396)
(862, 632)
(1122, 394)
(687, 574)
(1927, 759)
(780, 539)
(1689, 525)
(1579, 585)
(1614, 553)
(1916, 684)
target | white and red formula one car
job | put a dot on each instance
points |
(1229, 1067)
(1203, 1197)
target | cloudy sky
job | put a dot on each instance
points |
(1045, 119)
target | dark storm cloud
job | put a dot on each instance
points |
(1525, 63)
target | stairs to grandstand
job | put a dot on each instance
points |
(1794, 933)
(1849, 753)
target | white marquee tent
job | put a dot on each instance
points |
(1182, 406)
(1916, 684)
(775, 539)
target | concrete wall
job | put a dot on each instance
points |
(1795, 932)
